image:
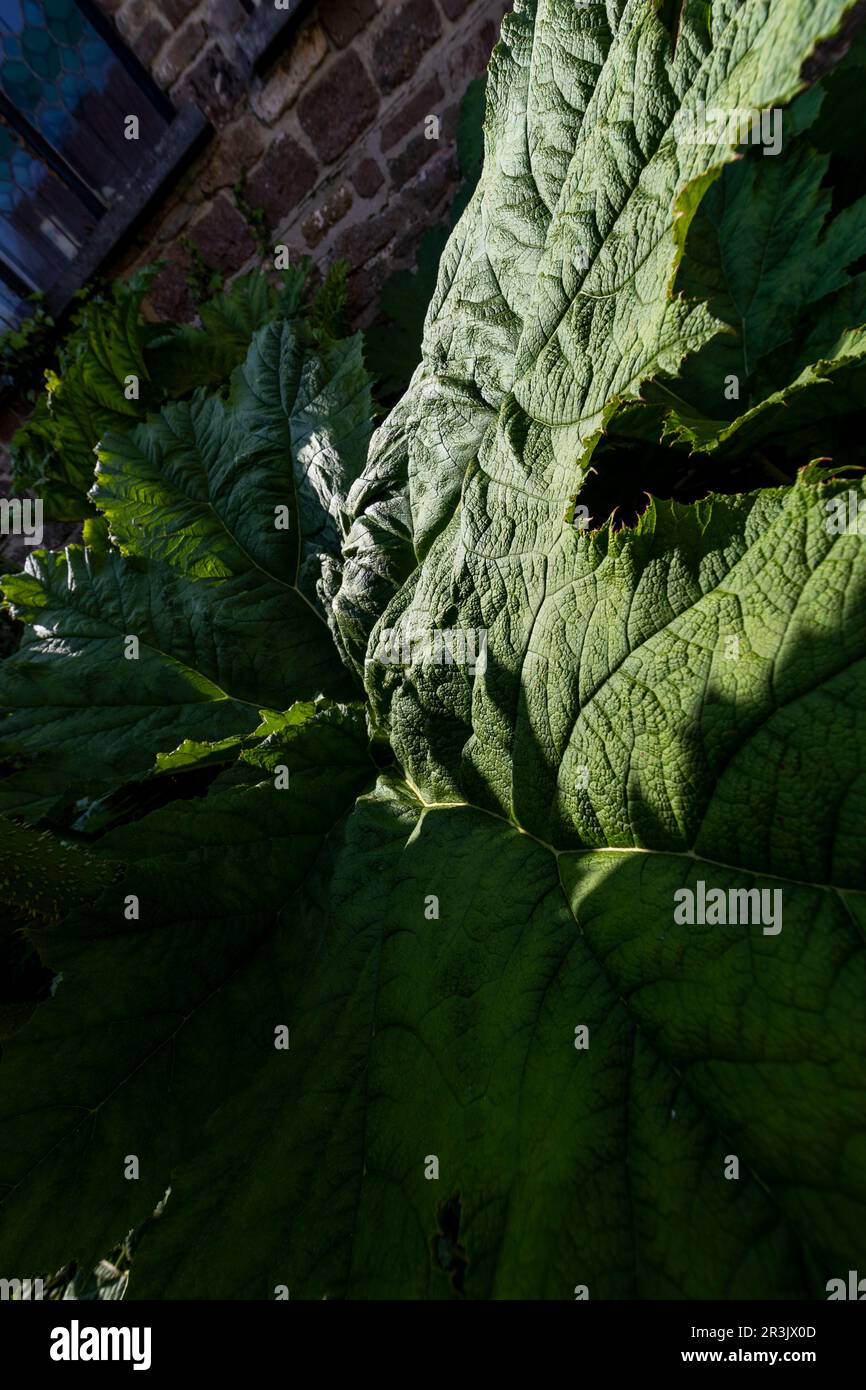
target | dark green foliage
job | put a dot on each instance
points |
(390, 966)
(110, 343)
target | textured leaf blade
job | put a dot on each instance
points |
(199, 970)
(210, 656)
(565, 1166)
(202, 485)
(556, 299)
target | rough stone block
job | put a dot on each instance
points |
(284, 176)
(236, 151)
(175, 11)
(411, 114)
(403, 40)
(225, 16)
(149, 41)
(359, 243)
(214, 83)
(339, 106)
(409, 161)
(343, 19)
(179, 52)
(223, 236)
(320, 222)
(292, 73)
(367, 178)
(169, 297)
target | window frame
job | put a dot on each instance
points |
(187, 131)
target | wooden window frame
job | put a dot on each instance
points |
(257, 42)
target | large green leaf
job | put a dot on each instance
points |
(164, 1008)
(737, 604)
(53, 452)
(556, 301)
(649, 726)
(210, 655)
(439, 964)
(182, 357)
(516, 1069)
(774, 264)
(231, 517)
(204, 484)
(109, 345)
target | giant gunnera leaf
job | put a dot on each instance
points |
(228, 514)
(114, 367)
(544, 974)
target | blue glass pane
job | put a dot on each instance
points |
(12, 309)
(10, 14)
(72, 90)
(54, 124)
(92, 49)
(39, 41)
(21, 85)
(42, 223)
(73, 61)
(64, 21)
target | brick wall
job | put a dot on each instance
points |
(332, 142)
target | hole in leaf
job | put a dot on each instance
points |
(448, 1254)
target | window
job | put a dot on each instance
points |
(71, 181)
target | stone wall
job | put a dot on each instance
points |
(331, 150)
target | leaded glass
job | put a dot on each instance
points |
(73, 89)
(66, 89)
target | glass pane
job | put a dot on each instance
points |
(73, 89)
(12, 309)
(42, 223)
